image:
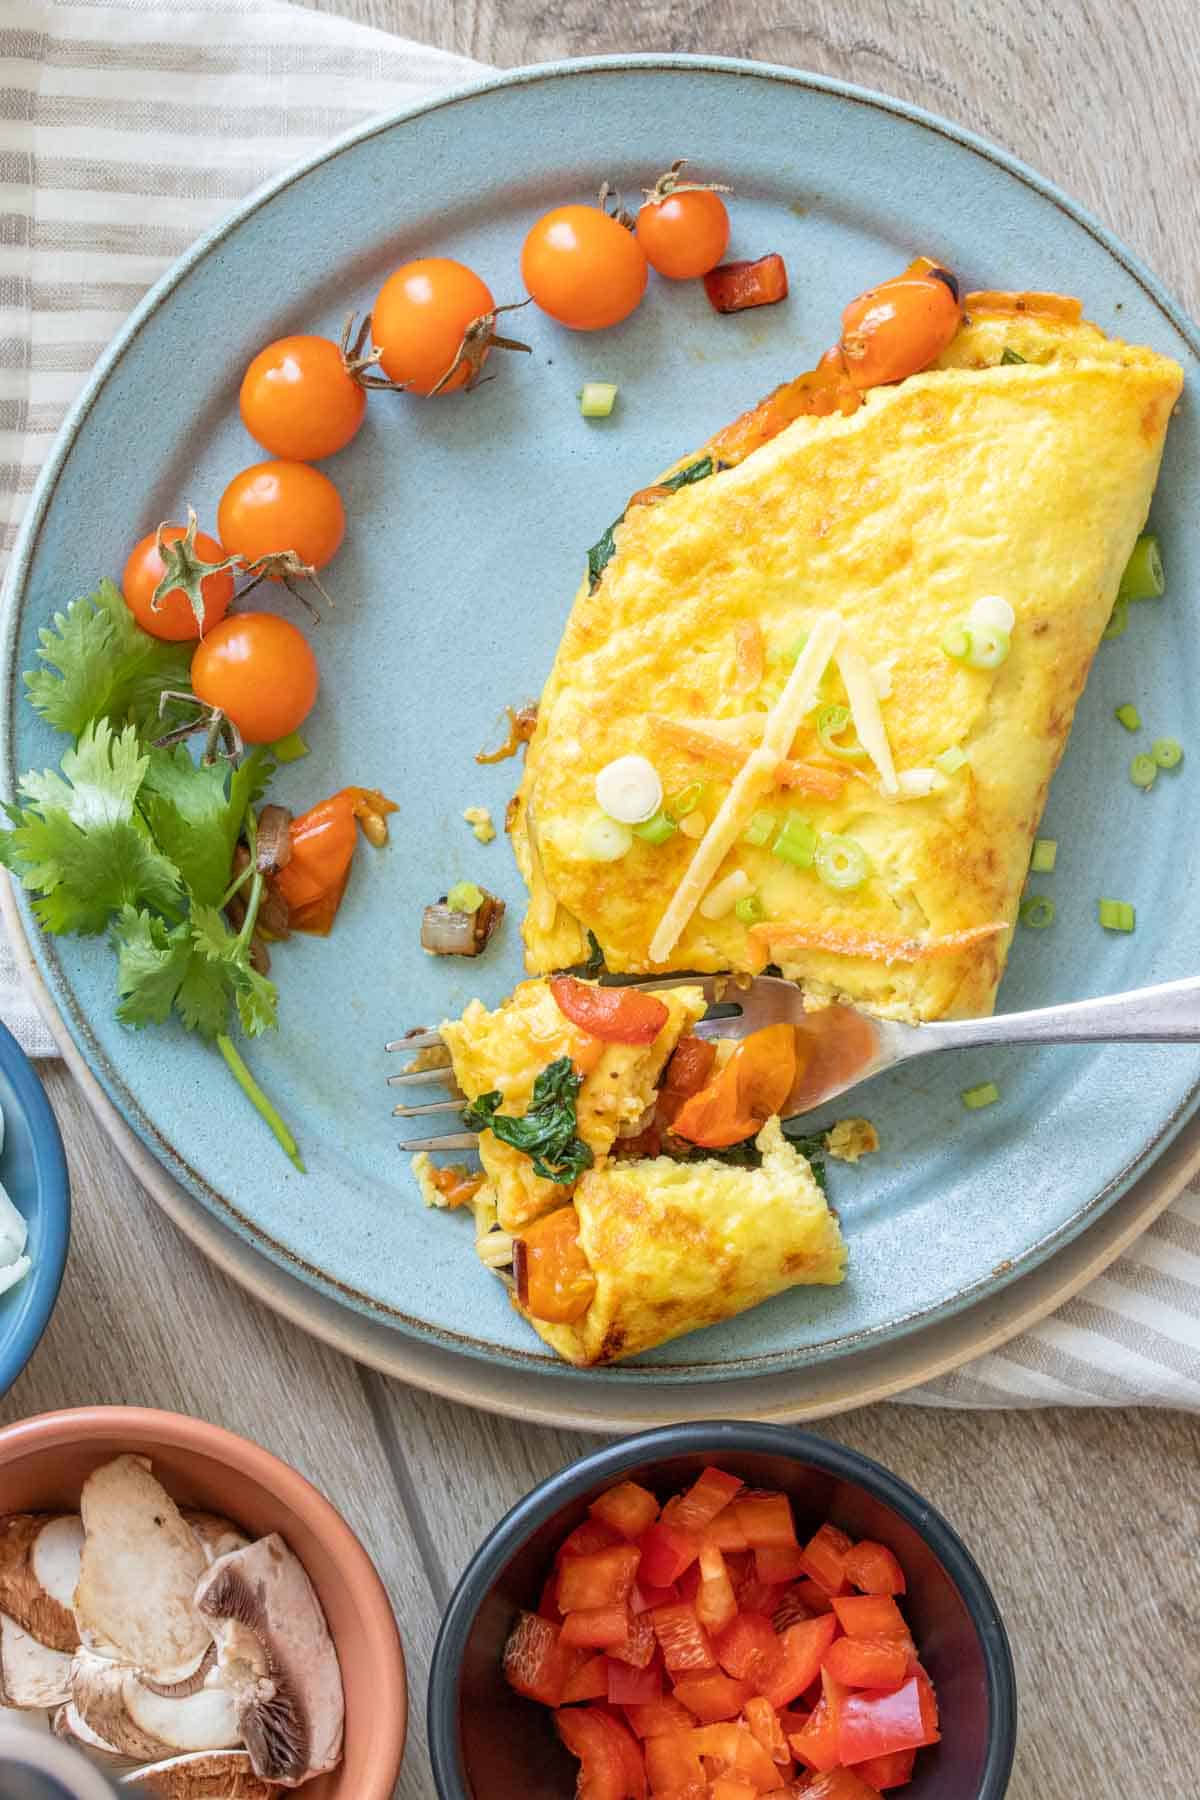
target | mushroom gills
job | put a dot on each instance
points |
(202, 1775)
(31, 1674)
(275, 1653)
(113, 1702)
(37, 1580)
(140, 1564)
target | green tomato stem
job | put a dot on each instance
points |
(258, 1100)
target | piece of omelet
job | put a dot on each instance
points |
(507, 1049)
(1027, 479)
(675, 1246)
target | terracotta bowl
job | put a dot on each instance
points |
(45, 1460)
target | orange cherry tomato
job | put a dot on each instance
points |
(260, 671)
(554, 1278)
(684, 235)
(298, 401)
(900, 327)
(583, 268)
(420, 317)
(617, 1015)
(174, 620)
(754, 1084)
(324, 840)
(278, 506)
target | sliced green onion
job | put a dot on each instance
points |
(760, 830)
(986, 1094)
(796, 842)
(655, 830)
(1037, 912)
(1045, 855)
(1117, 915)
(290, 748)
(1167, 752)
(596, 399)
(1129, 716)
(464, 896)
(831, 722)
(1143, 771)
(1118, 620)
(989, 647)
(686, 800)
(842, 864)
(951, 761)
(1144, 577)
(957, 643)
(1008, 356)
(749, 909)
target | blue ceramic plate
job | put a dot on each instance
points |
(34, 1172)
(468, 521)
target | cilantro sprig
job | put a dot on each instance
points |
(137, 839)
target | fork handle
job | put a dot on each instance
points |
(1169, 1014)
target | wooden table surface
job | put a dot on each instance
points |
(1086, 1523)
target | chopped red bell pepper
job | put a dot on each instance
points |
(631, 1686)
(759, 1596)
(629, 1509)
(767, 1521)
(666, 1553)
(872, 1569)
(685, 1644)
(839, 1784)
(713, 1697)
(788, 1608)
(536, 1663)
(716, 1603)
(750, 1650)
(638, 1646)
(731, 1787)
(615, 1015)
(590, 1536)
(725, 1530)
(736, 285)
(814, 1596)
(775, 1563)
(596, 1627)
(883, 1772)
(874, 1724)
(588, 1682)
(816, 1745)
(763, 1721)
(603, 1578)
(548, 1604)
(659, 1718)
(734, 1747)
(870, 1616)
(672, 1762)
(803, 1646)
(643, 1599)
(323, 841)
(825, 1558)
(610, 1758)
(707, 1497)
(868, 1662)
(688, 1071)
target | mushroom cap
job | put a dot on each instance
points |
(136, 1722)
(217, 1535)
(67, 1724)
(202, 1775)
(39, 1609)
(31, 1674)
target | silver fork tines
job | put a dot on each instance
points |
(415, 1040)
(431, 1106)
(453, 1140)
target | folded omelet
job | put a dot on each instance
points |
(828, 569)
(506, 1050)
(675, 1246)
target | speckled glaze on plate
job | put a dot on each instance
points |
(467, 523)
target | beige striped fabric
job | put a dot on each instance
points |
(126, 130)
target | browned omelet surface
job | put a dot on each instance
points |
(1027, 481)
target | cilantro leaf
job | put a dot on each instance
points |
(152, 960)
(78, 842)
(100, 664)
(229, 959)
(196, 812)
(202, 1000)
(546, 1132)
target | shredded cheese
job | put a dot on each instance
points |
(714, 742)
(724, 896)
(867, 944)
(757, 773)
(864, 708)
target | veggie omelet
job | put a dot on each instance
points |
(777, 641)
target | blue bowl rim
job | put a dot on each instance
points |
(54, 1190)
(713, 1438)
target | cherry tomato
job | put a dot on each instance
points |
(583, 268)
(614, 1015)
(738, 1101)
(277, 506)
(260, 671)
(554, 1278)
(900, 327)
(684, 235)
(175, 621)
(298, 401)
(420, 317)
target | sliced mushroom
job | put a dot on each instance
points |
(31, 1674)
(275, 1653)
(141, 1561)
(68, 1725)
(202, 1775)
(217, 1535)
(37, 1580)
(139, 1723)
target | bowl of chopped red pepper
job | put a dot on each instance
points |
(722, 1611)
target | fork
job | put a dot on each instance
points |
(839, 1047)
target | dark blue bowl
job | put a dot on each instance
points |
(486, 1743)
(33, 1169)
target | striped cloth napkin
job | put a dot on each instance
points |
(125, 131)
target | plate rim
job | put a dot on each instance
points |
(156, 1175)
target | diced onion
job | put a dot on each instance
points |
(992, 610)
(915, 784)
(722, 898)
(629, 789)
(596, 399)
(605, 840)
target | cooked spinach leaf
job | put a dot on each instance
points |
(601, 552)
(546, 1133)
(1011, 356)
(746, 1156)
